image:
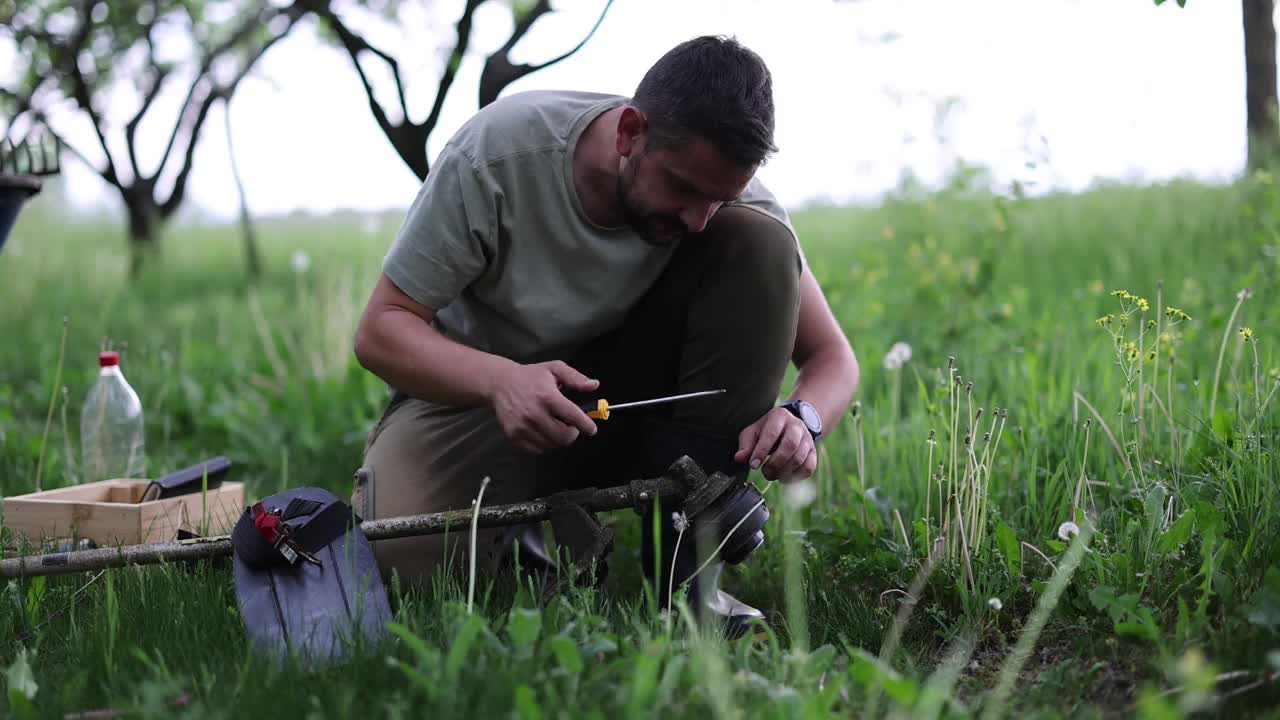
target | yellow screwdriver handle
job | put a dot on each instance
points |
(600, 411)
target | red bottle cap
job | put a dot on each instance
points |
(107, 359)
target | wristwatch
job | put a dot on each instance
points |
(807, 414)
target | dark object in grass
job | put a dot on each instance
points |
(307, 581)
(188, 480)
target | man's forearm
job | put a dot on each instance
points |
(417, 359)
(828, 380)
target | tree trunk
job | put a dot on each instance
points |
(253, 260)
(1260, 80)
(144, 229)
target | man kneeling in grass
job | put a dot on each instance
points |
(600, 246)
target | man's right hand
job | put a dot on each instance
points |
(533, 410)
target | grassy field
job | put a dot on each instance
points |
(1105, 543)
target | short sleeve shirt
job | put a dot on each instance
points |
(497, 243)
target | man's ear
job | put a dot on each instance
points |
(631, 130)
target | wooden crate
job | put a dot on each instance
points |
(109, 513)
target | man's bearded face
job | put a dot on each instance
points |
(668, 194)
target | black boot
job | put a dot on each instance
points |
(664, 443)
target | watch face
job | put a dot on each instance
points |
(809, 416)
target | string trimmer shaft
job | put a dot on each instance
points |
(683, 480)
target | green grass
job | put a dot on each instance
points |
(1171, 607)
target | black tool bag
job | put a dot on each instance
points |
(306, 576)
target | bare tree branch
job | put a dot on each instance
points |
(575, 48)
(524, 24)
(216, 92)
(354, 44)
(499, 71)
(44, 120)
(157, 81)
(80, 89)
(455, 61)
(251, 23)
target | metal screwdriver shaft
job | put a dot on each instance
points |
(601, 409)
(671, 398)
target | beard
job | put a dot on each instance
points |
(657, 229)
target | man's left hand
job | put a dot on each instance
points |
(784, 440)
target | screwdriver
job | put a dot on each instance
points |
(600, 409)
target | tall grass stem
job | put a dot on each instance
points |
(1222, 351)
(53, 396)
(475, 516)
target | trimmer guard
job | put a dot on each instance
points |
(316, 609)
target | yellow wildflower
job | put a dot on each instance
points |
(1246, 333)
(1105, 320)
(1142, 303)
(1174, 312)
(1131, 351)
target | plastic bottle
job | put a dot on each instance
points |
(111, 431)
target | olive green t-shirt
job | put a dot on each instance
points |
(497, 242)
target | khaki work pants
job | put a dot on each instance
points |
(723, 315)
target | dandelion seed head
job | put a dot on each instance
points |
(995, 603)
(1068, 530)
(800, 494)
(679, 521)
(299, 261)
(1244, 294)
(898, 355)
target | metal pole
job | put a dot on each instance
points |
(614, 498)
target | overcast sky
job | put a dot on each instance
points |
(1098, 88)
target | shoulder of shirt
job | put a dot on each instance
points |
(760, 198)
(530, 121)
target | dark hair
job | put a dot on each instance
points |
(715, 88)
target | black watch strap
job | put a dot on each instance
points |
(796, 407)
